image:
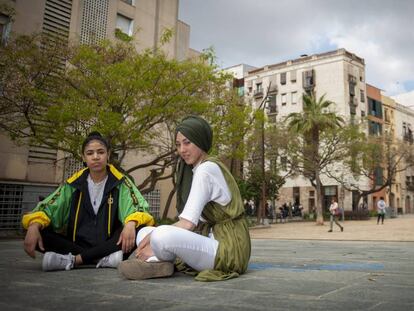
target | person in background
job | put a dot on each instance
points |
(209, 202)
(381, 208)
(335, 212)
(91, 219)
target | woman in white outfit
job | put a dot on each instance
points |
(209, 202)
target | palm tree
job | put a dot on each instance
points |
(310, 124)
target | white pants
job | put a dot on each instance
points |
(169, 242)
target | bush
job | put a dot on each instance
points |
(373, 213)
(309, 216)
(357, 215)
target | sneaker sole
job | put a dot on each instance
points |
(136, 269)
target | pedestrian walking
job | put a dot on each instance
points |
(335, 212)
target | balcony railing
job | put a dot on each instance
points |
(409, 185)
(408, 137)
(273, 89)
(258, 93)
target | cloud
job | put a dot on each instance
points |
(266, 32)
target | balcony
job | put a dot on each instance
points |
(272, 109)
(353, 101)
(408, 137)
(308, 79)
(409, 185)
(273, 89)
(258, 93)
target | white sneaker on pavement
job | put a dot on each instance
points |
(54, 261)
(110, 261)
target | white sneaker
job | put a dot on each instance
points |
(54, 261)
(110, 261)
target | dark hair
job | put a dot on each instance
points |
(95, 136)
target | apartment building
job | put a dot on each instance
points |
(393, 194)
(404, 122)
(376, 128)
(340, 76)
(30, 172)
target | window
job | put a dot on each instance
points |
(375, 128)
(308, 79)
(258, 92)
(284, 99)
(124, 24)
(375, 108)
(130, 2)
(271, 104)
(407, 132)
(330, 190)
(294, 98)
(362, 113)
(352, 110)
(293, 76)
(352, 83)
(378, 176)
(362, 95)
(386, 115)
(5, 26)
(283, 78)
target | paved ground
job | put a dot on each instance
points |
(293, 267)
(394, 229)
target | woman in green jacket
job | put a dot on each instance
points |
(91, 219)
(209, 202)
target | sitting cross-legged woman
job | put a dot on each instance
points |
(92, 218)
(211, 237)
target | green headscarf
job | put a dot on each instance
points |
(199, 132)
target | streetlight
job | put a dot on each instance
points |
(267, 105)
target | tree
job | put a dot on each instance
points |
(373, 164)
(28, 82)
(133, 98)
(315, 126)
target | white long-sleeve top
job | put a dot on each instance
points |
(333, 208)
(381, 206)
(208, 185)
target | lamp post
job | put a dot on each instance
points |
(262, 208)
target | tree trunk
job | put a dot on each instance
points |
(168, 204)
(319, 203)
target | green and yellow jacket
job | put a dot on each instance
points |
(69, 211)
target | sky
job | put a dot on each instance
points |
(265, 32)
